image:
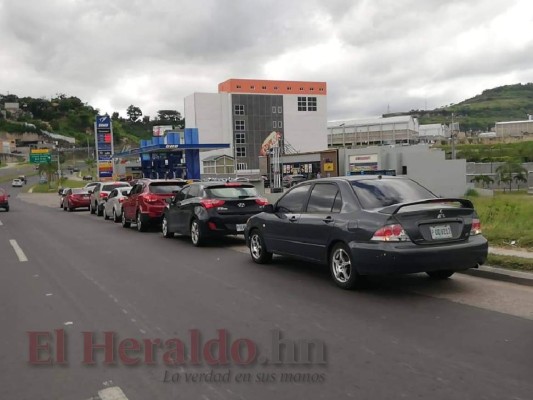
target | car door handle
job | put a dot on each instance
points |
(293, 219)
(328, 219)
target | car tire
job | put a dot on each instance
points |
(125, 222)
(197, 236)
(64, 207)
(164, 229)
(116, 218)
(7, 209)
(441, 274)
(99, 211)
(342, 267)
(92, 209)
(258, 248)
(106, 217)
(141, 226)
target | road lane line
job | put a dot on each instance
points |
(1, 223)
(20, 254)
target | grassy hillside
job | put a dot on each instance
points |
(480, 113)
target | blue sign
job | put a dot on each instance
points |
(103, 132)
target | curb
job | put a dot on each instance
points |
(501, 274)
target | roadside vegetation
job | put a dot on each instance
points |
(509, 262)
(506, 218)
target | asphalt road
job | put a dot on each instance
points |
(401, 337)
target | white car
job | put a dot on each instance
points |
(113, 204)
(17, 183)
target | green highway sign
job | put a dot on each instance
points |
(40, 157)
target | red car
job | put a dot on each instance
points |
(4, 203)
(76, 198)
(146, 202)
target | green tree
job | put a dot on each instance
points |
(134, 113)
(90, 163)
(507, 171)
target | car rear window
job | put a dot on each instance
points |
(108, 188)
(80, 191)
(237, 192)
(166, 187)
(376, 193)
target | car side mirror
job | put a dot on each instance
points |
(169, 200)
(269, 208)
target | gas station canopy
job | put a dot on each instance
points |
(166, 148)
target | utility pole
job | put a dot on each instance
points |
(453, 137)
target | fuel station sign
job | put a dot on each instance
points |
(103, 131)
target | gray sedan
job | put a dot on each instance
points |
(113, 205)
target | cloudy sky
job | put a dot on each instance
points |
(375, 55)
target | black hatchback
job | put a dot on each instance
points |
(369, 225)
(209, 209)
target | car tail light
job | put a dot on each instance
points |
(233, 184)
(390, 233)
(212, 203)
(261, 201)
(103, 195)
(476, 227)
(150, 199)
(212, 226)
(121, 200)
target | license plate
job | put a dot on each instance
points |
(240, 227)
(441, 232)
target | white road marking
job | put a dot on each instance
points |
(20, 254)
(48, 294)
(112, 393)
(1, 223)
(68, 323)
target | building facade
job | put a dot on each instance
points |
(252, 115)
(515, 128)
(376, 131)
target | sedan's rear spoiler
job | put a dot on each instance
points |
(397, 207)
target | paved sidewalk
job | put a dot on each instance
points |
(511, 252)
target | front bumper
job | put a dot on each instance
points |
(405, 258)
(4, 204)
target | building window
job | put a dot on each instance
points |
(311, 104)
(321, 89)
(252, 87)
(289, 88)
(275, 88)
(239, 109)
(240, 138)
(302, 104)
(264, 87)
(239, 125)
(312, 89)
(280, 109)
(274, 124)
(238, 86)
(273, 110)
(280, 124)
(241, 152)
(301, 89)
(241, 166)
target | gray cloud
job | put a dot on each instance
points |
(374, 55)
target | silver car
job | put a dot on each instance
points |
(113, 205)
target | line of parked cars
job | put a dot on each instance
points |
(359, 225)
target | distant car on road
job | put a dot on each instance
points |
(23, 179)
(87, 177)
(370, 225)
(4, 199)
(147, 201)
(291, 180)
(76, 198)
(113, 205)
(99, 194)
(210, 209)
(17, 183)
(43, 180)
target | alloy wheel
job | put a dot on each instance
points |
(341, 265)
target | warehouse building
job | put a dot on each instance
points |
(377, 131)
(514, 128)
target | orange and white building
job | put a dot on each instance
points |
(246, 112)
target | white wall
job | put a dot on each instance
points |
(211, 114)
(305, 130)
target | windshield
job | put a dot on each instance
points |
(166, 187)
(376, 193)
(231, 192)
(80, 191)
